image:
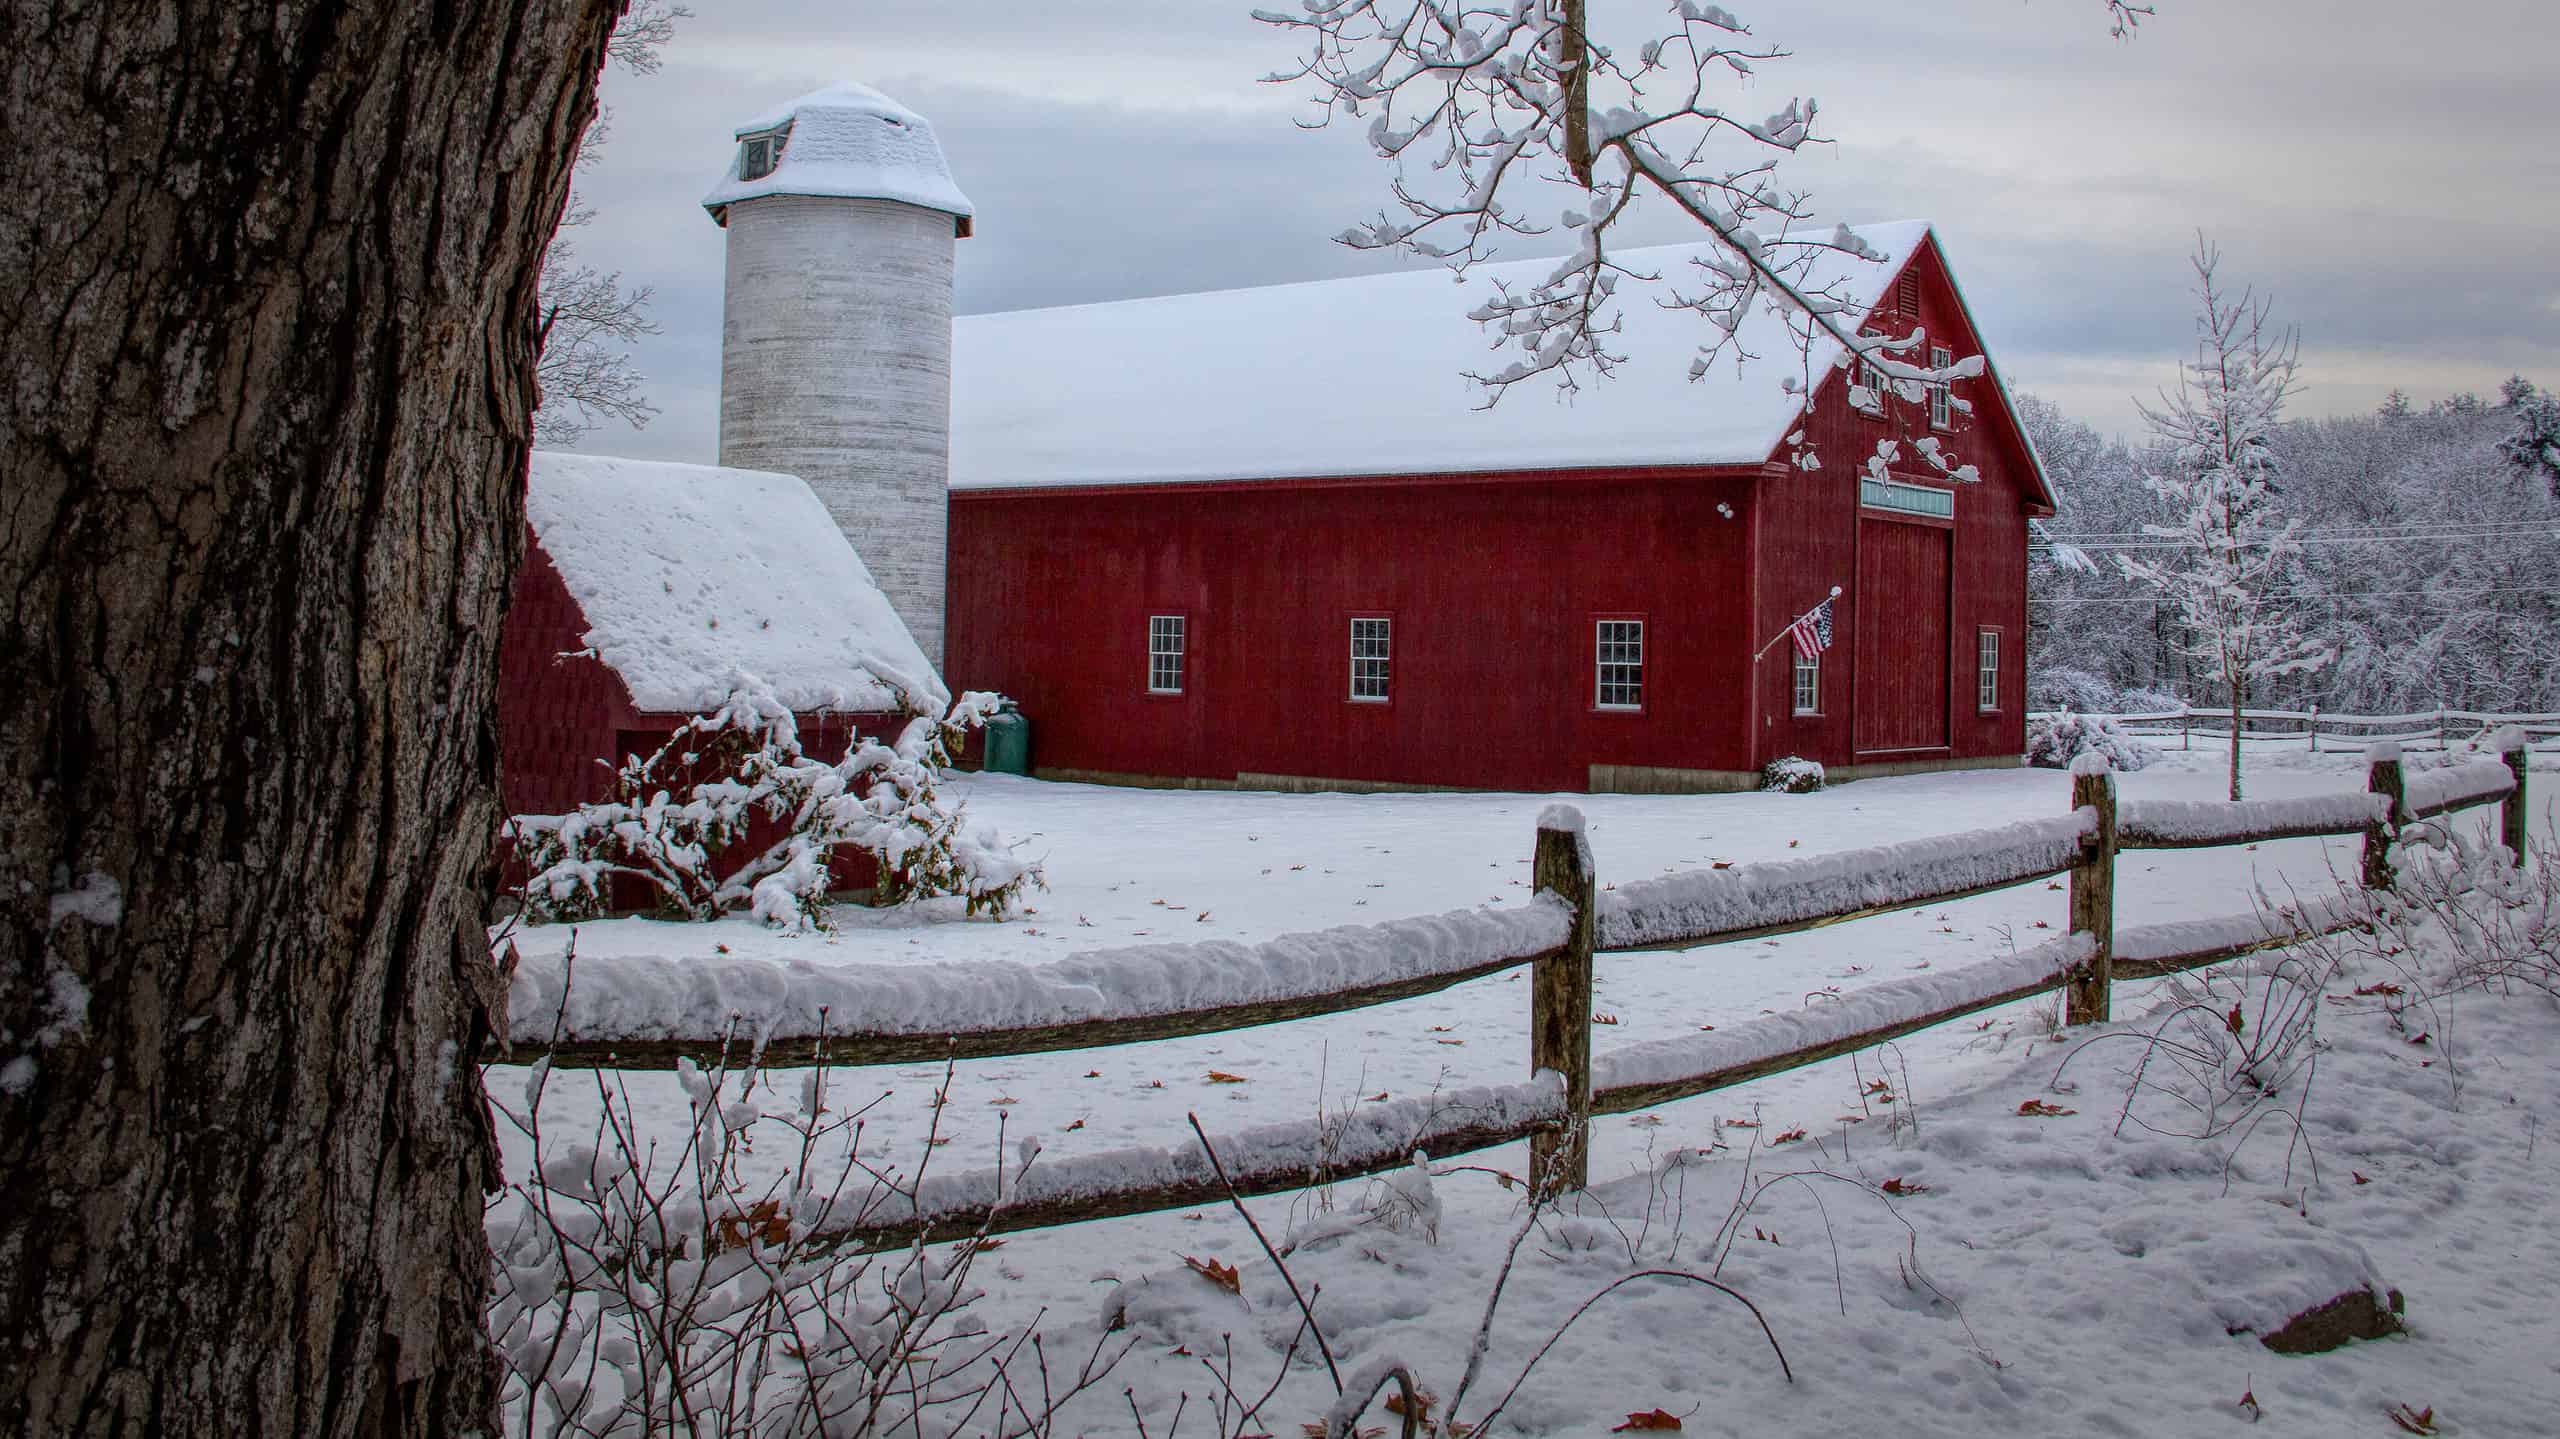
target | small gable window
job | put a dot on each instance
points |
(1941, 412)
(761, 153)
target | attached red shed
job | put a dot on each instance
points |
(1271, 538)
(647, 588)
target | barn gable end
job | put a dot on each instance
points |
(1902, 687)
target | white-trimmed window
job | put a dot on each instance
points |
(1808, 683)
(1165, 639)
(1941, 410)
(761, 154)
(1618, 653)
(1987, 682)
(1372, 651)
(1871, 378)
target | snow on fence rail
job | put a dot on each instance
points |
(646, 1012)
(651, 1012)
(1280, 1158)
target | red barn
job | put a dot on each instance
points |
(646, 588)
(1272, 538)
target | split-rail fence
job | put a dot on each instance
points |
(2341, 732)
(1557, 935)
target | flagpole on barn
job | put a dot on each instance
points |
(1790, 627)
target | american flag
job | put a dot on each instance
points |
(1812, 631)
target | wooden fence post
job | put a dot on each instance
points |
(1560, 1002)
(2511, 814)
(2383, 780)
(2314, 727)
(2186, 720)
(2093, 906)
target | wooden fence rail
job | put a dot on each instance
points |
(2344, 732)
(1568, 1085)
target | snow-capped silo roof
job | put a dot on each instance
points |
(846, 141)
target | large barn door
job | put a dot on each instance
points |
(1902, 635)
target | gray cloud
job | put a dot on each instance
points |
(2388, 180)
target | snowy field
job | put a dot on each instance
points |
(2074, 1282)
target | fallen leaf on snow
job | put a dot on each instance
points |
(1900, 1188)
(1220, 1076)
(1222, 1275)
(2039, 1109)
(1790, 1137)
(2416, 1421)
(1650, 1419)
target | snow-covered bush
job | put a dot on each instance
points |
(2055, 740)
(2066, 688)
(1791, 774)
(685, 819)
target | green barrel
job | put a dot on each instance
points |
(1008, 743)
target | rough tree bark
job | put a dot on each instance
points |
(266, 349)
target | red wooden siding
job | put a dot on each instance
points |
(1494, 583)
(1494, 587)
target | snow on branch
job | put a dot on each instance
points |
(685, 819)
(2230, 556)
(1504, 120)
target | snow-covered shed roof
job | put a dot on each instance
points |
(689, 573)
(846, 141)
(1365, 376)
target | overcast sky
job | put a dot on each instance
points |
(2388, 173)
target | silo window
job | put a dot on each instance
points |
(763, 152)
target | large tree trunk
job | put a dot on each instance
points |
(266, 356)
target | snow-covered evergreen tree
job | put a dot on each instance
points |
(2533, 446)
(2228, 553)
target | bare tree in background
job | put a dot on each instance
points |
(267, 321)
(589, 320)
(2224, 559)
(1515, 118)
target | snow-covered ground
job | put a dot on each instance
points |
(2094, 1276)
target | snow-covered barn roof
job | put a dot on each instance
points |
(846, 141)
(688, 573)
(1365, 376)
